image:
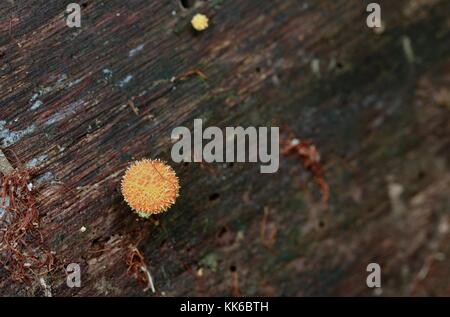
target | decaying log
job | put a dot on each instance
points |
(77, 105)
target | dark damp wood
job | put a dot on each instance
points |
(80, 104)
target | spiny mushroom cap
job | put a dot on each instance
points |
(200, 22)
(150, 187)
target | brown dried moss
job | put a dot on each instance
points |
(22, 249)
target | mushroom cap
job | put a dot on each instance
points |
(200, 22)
(150, 187)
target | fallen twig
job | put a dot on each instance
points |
(137, 267)
(190, 73)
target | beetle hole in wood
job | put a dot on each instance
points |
(187, 4)
(233, 268)
(421, 175)
(226, 237)
(189, 249)
(222, 232)
(100, 241)
(96, 241)
(213, 197)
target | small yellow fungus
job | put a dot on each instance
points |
(200, 22)
(150, 187)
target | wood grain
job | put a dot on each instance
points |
(378, 119)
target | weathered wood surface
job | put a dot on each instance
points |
(379, 119)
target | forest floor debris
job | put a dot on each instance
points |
(22, 249)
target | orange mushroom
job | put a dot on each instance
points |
(150, 187)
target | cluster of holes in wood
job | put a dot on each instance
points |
(224, 239)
